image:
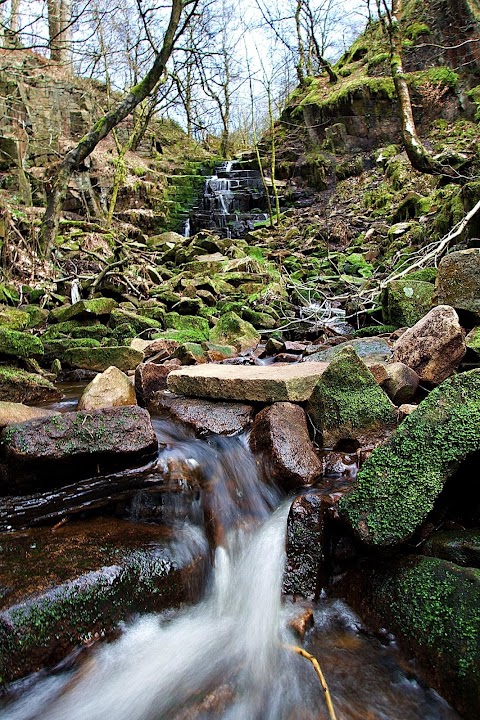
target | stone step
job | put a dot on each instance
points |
(267, 383)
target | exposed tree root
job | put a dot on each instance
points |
(328, 698)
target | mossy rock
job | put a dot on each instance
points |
(121, 334)
(100, 358)
(431, 606)
(97, 307)
(13, 319)
(399, 483)
(57, 348)
(372, 330)
(193, 328)
(232, 330)
(190, 353)
(406, 301)
(371, 349)
(138, 322)
(25, 387)
(472, 341)
(154, 310)
(347, 403)
(19, 344)
(424, 274)
(75, 329)
(459, 280)
(37, 316)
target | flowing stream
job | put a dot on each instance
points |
(226, 657)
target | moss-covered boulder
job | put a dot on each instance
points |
(97, 307)
(459, 280)
(57, 348)
(190, 328)
(405, 302)
(100, 358)
(25, 387)
(19, 344)
(398, 484)
(76, 329)
(347, 403)
(369, 349)
(431, 606)
(232, 330)
(13, 318)
(190, 353)
(139, 323)
(37, 316)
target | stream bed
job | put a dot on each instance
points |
(229, 656)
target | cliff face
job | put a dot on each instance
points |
(44, 111)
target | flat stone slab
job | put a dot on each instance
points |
(267, 383)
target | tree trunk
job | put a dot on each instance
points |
(74, 158)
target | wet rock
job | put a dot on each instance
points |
(161, 349)
(19, 344)
(431, 606)
(295, 348)
(24, 387)
(399, 483)
(111, 388)
(150, 378)
(305, 547)
(232, 330)
(271, 383)
(401, 383)
(11, 413)
(461, 547)
(280, 433)
(370, 350)
(99, 359)
(302, 622)
(459, 280)
(64, 589)
(51, 452)
(204, 416)
(98, 307)
(405, 302)
(217, 353)
(347, 404)
(338, 463)
(285, 358)
(434, 346)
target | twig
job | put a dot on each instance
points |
(328, 698)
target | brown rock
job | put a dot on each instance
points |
(293, 347)
(150, 378)
(280, 432)
(434, 346)
(379, 372)
(401, 383)
(112, 388)
(305, 546)
(204, 416)
(270, 383)
(302, 622)
(11, 413)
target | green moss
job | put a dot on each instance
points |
(84, 308)
(191, 327)
(413, 31)
(372, 330)
(139, 323)
(232, 330)
(406, 301)
(100, 358)
(399, 483)
(20, 345)
(13, 319)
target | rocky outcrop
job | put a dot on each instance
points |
(112, 388)
(434, 346)
(271, 383)
(280, 434)
(399, 483)
(347, 404)
(43, 453)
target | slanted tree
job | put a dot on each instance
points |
(179, 17)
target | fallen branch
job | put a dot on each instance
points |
(328, 698)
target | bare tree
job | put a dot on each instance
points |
(75, 157)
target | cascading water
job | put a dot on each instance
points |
(226, 658)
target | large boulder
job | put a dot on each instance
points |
(61, 589)
(347, 404)
(280, 433)
(431, 606)
(459, 280)
(269, 383)
(46, 453)
(204, 416)
(111, 388)
(21, 386)
(434, 346)
(98, 307)
(399, 483)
